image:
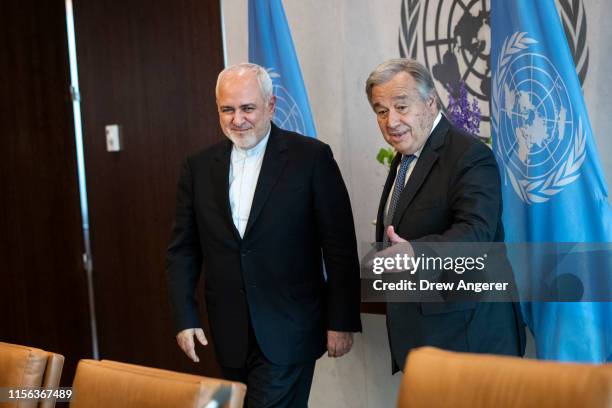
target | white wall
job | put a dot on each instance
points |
(598, 85)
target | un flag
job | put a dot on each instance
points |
(271, 46)
(554, 189)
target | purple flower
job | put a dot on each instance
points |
(464, 115)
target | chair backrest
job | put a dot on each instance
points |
(22, 366)
(437, 378)
(107, 383)
(51, 379)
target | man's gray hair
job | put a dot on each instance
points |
(263, 78)
(388, 69)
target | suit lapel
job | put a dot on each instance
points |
(380, 218)
(427, 159)
(220, 180)
(275, 159)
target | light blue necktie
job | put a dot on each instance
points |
(400, 180)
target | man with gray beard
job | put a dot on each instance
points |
(260, 212)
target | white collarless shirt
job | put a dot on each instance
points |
(245, 166)
(413, 164)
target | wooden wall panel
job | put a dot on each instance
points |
(43, 296)
(151, 67)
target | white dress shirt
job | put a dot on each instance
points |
(413, 164)
(245, 166)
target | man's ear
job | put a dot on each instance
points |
(272, 104)
(432, 103)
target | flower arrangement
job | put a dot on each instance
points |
(461, 112)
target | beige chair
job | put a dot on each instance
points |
(437, 378)
(103, 384)
(22, 366)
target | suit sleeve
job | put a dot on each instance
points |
(336, 232)
(184, 257)
(474, 198)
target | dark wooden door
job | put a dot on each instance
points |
(43, 292)
(150, 67)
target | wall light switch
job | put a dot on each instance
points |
(113, 139)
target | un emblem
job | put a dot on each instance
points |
(452, 38)
(287, 115)
(455, 44)
(541, 142)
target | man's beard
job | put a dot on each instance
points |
(245, 140)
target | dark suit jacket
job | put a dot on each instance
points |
(452, 195)
(274, 275)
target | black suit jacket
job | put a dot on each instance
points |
(452, 195)
(274, 274)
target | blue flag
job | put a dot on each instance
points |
(271, 46)
(553, 186)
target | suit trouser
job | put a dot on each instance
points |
(271, 385)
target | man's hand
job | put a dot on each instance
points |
(338, 343)
(399, 247)
(185, 341)
(393, 237)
